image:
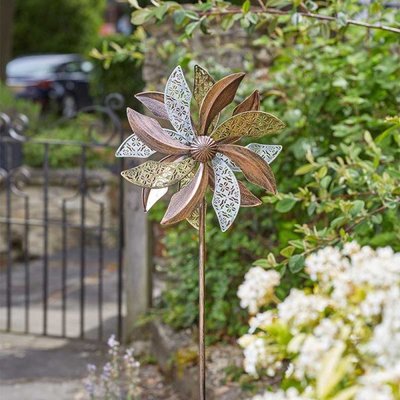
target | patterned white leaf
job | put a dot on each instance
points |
(226, 199)
(177, 99)
(268, 152)
(134, 147)
(154, 196)
(228, 162)
(177, 136)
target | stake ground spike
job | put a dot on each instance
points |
(201, 156)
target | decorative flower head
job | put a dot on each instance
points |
(202, 155)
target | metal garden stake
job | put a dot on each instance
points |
(198, 156)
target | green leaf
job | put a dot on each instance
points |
(305, 169)
(287, 251)
(246, 6)
(285, 205)
(296, 263)
(179, 16)
(333, 370)
(338, 222)
(325, 181)
(358, 206)
(192, 27)
(139, 17)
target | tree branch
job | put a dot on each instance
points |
(274, 11)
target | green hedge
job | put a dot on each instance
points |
(61, 26)
(334, 95)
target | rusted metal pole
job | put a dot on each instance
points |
(202, 265)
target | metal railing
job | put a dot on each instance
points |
(58, 287)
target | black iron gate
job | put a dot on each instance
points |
(61, 229)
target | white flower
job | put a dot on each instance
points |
(290, 394)
(257, 288)
(350, 248)
(374, 392)
(325, 264)
(314, 347)
(300, 309)
(261, 320)
(385, 342)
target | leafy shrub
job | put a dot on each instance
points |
(116, 70)
(62, 26)
(12, 106)
(339, 339)
(67, 155)
(337, 175)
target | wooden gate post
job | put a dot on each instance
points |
(137, 259)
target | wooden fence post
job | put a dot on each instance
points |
(137, 259)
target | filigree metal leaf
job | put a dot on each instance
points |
(249, 123)
(254, 168)
(153, 135)
(203, 82)
(184, 202)
(194, 218)
(155, 174)
(251, 103)
(154, 102)
(267, 152)
(134, 147)
(177, 99)
(226, 199)
(247, 199)
(218, 97)
(176, 136)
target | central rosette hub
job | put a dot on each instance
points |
(203, 148)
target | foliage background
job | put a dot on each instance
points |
(338, 174)
(62, 26)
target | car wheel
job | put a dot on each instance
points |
(69, 107)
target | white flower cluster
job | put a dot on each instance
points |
(353, 306)
(300, 309)
(290, 394)
(258, 288)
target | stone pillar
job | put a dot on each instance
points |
(137, 259)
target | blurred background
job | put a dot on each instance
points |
(83, 268)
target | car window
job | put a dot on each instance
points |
(72, 67)
(31, 67)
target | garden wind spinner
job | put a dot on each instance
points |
(202, 155)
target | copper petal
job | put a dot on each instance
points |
(151, 196)
(156, 174)
(254, 168)
(251, 103)
(193, 218)
(184, 202)
(154, 101)
(218, 97)
(153, 135)
(249, 123)
(247, 199)
(268, 152)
